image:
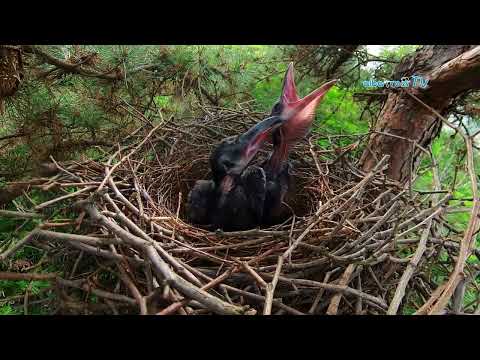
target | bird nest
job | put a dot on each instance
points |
(355, 243)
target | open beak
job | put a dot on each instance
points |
(254, 138)
(251, 141)
(298, 113)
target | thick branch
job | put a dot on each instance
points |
(72, 68)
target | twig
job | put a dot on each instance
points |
(270, 287)
(320, 293)
(64, 197)
(21, 276)
(402, 285)
(20, 214)
(110, 171)
(254, 275)
(162, 269)
(319, 211)
(344, 280)
(175, 306)
(133, 290)
(29, 237)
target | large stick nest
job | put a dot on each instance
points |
(355, 243)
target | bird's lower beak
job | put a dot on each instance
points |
(298, 114)
(305, 108)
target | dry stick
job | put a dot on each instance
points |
(132, 208)
(254, 275)
(458, 297)
(27, 276)
(344, 280)
(270, 288)
(205, 254)
(318, 262)
(49, 225)
(435, 295)
(348, 204)
(65, 171)
(141, 300)
(161, 267)
(360, 185)
(290, 238)
(75, 265)
(420, 215)
(244, 244)
(252, 296)
(133, 290)
(378, 199)
(83, 285)
(388, 214)
(334, 257)
(64, 197)
(436, 228)
(29, 237)
(412, 265)
(105, 254)
(261, 298)
(175, 306)
(320, 293)
(19, 297)
(174, 262)
(446, 243)
(174, 296)
(177, 213)
(139, 199)
(90, 240)
(112, 306)
(351, 201)
(358, 305)
(317, 164)
(112, 169)
(251, 233)
(387, 204)
(20, 214)
(87, 183)
(262, 256)
(427, 219)
(334, 288)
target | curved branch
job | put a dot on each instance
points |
(72, 68)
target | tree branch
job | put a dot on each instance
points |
(72, 68)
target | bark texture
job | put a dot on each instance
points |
(10, 72)
(451, 70)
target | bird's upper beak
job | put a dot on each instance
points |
(254, 138)
(298, 113)
(251, 141)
